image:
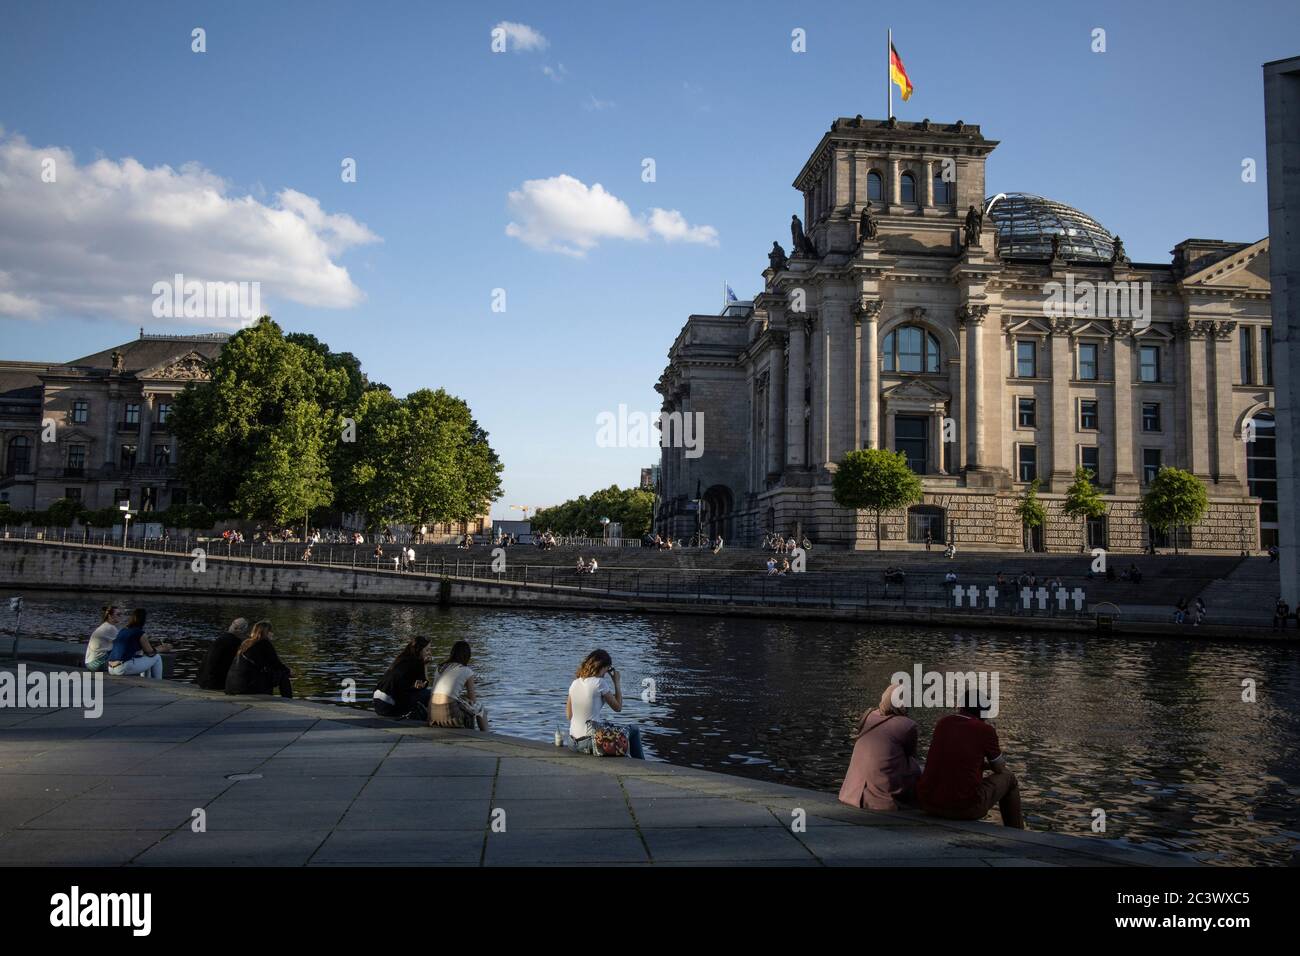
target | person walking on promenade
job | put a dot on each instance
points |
(929, 539)
(454, 701)
(102, 637)
(132, 653)
(404, 692)
(1281, 611)
(257, 668)
(1198, 611)
(221, 654)
(883, 770)
(953, 784)
(595, 685)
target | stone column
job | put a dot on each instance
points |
(1125, 481)
(1221, 337)
(869, 316)
(973, 317)
(776, 406)
(817, 390)
(842, 391)
(928, 172)
(936, 441)
(1062, 472)
(794, 404)
(958, 386)
(892, 196)
(110, 428)
(1195, 389)
(144, 453)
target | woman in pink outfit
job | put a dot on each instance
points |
(883, 770)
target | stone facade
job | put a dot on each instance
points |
(969, 342)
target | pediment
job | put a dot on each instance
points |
(1095, 329)
(915, 390)
(1027, 326)
(1247, 270)
(192, 366)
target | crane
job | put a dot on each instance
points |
(524, 508)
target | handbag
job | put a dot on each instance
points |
(607, 740)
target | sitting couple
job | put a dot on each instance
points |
(884, 772)
(404, 692)
(596, 684)
(243, 660)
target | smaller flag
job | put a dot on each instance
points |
(731, 296)
(898, 73)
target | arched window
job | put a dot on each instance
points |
(875, 187)
(19, 459)
(942, 190)
(907, 187)
(911, 349)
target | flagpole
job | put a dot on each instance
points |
(889, 73)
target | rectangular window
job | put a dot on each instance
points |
(1151, 416)
(163, 411)
(1027, 462)
(72, 494)
(1149, 363)
(1026, 359)
(162, 455)
(1088, 362)
(1266, 353)
(1088, 414)
(76, 458)
(121, 496)
(132, 415)
(1090, 458)
(1026, 413)
(1246, 346)
(128, 457)
(80, 411)
(1150, 464)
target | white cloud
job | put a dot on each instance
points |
(672, 226)
(563, 214)
(593, 105)
(556, 73)
(93, 243)
(520, 37)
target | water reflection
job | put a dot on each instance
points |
(1153, 732)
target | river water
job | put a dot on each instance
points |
(1153, 732)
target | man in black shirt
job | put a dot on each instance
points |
(216, 663)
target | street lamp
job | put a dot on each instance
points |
(125, 508)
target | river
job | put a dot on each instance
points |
(1153, 732)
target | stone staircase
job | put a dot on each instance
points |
(1247, 595)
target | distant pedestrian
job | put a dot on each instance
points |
(1281, 611)
(1199, 610)
(1272, 553)
(929, 538)
(1180, 611)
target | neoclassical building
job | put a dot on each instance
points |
(992, 350)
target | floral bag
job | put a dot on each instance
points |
(607, 740)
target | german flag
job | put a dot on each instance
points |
(898, 73)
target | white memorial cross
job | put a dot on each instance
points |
(1062, 596)
(1026, 597)
(957, 592)
(1042, 599)
(1078, 599)
(992, 593)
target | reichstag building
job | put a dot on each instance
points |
(992, 344)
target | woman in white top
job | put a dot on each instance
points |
(454, 702)
(102, 637)
(595, 685)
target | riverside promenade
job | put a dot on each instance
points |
(294, 783)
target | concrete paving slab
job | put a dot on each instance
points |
(417, 815)
(233, 848)
(564, 846)
(397, 847)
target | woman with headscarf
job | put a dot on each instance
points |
(883, 770)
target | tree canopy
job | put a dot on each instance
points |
(1174, 497)
(285, 427)
(875, 480)
(1082, 500)
(632, 507)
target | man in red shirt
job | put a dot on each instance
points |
(953, 784)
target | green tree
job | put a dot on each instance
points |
(264, 413)
(875, 480)
(1082, 501)
(633, 508)
(1030, 509)
(1174, 497)
(419, 459)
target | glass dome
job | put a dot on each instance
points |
(1026, 224)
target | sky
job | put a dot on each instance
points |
(516, 179)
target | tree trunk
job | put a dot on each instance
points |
(877, 530)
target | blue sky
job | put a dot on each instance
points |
(1148, 137)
